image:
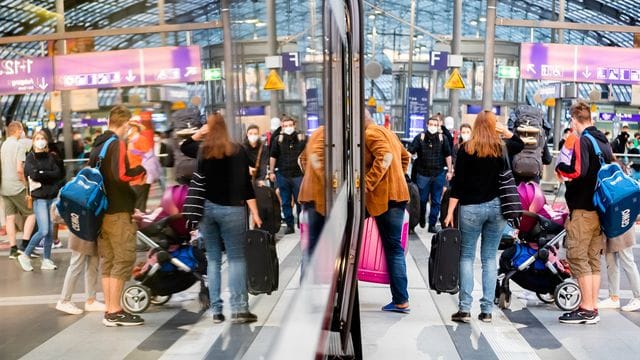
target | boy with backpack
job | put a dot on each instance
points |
(584, 234)
(117, 240)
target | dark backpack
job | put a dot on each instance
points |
(529, 125)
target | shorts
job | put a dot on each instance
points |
(584, 243)
(17, 204)
(117, 245)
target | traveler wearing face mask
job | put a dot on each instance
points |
(43, 174)
(432, 169)
(257, 152)
(465, 135)
(285, 169)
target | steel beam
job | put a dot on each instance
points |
(544, 24)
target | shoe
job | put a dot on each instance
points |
(243, 318)
(580, 316)
(609, 303)
(423, 222)
(68, 307)
(290, 230)
(47, 264)
(121, 318)
(632, 305)
(13, 254)
(57, 244)
(393, 308)
(433, 229)
(33, 255)
(25, 262)
(461, 316)
(96, 306)
(484, 317)
(218, 318)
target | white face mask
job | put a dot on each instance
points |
(432, 129)
(288, 130)
(253, 138)
(465, 137)
(40, 144)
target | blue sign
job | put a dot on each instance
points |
(313, 110)
(416, 111)
(606, 116)
(251, 111)
(476, 109)
(439, 60)
(291, 61)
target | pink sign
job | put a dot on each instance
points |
(26, 75)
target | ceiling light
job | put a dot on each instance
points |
(372, 17)
(252, 21)
(473, 23)
(261, 24)
(482, 19)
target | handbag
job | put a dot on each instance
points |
(193, 207)
(510, 204)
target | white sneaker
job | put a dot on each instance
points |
(609, 303)
(633, 305)
(47, 264)
(68, 307)
(57, 244)
(25, 262)
(95, 306)
(528, 296)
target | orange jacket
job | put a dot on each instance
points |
(136, 149)
(386, 163)
(312, 161)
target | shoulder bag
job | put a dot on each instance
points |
(193, 207)
(510, 204)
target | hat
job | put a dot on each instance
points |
(178, 105)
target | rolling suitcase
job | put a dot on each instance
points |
(444, 207)
(262, 262)
(268, 208)
(444, 261)
(372, 265)
(414, 205)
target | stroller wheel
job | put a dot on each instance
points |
(160, 299)
(504, 301)
(136, 298)
(546, 298)
(567, 296)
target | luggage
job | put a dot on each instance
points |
(414, 205)
(262, 262)
(268, 208)
(444, 208)
(444, 261)
(372, 264)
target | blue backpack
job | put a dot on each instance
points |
(83, 200)
(616, 198)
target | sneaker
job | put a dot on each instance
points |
(243, 318)
(68, 307)
(121, 318)
(218, 318)
(57, 244)
(33, 255)
(95, 306)
(290, 230)
(25, 262)
(461, 316)
(484, 317)
(580, 316)
(393, 308)
(609, 303)
(47, 264)
(632, 305)
(13, 254)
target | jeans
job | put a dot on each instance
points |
(431, 187)
(81, 263)
(625, 258)
(480, 219)
(315, 223)
(226, 225)
(390, 228)
(41, 208)
(288, 187)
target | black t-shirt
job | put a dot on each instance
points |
(228, 180)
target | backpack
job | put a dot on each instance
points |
(83, 200)
(529, 125)
(616, 197)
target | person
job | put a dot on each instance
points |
(386, 196)
(224, 165)
(184, 123)
(465, 135)
(43, 172)
(432, 169)
(565, 134)
(634, 164)
(138, 147)
(257, 150)
(284, 167)
(619, 252)
(117, 240)
(619, 144)
(475, 186)
(635, 143)
(13, 189)
(584, 236)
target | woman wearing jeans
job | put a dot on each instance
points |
(475, 187)
(43, 173)
(225, 166)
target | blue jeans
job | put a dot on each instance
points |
(315, 222)
(431, 187)
(41, 209)
(226, 225)
(390, 228)
(288, 187)
(480, 219)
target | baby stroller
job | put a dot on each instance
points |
(534, 265)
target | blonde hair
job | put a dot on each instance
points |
(484, 141)
(44, 135)
(14, 127)
(118, 116)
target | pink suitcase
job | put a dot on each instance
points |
(372, 265)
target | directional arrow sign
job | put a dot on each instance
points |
(586, 73)
(25, 75)
(531, 68)
(130, 77)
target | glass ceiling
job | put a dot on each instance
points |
(433, 18)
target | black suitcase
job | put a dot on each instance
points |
(444, 208)
(414, 205)
(444, 261)
(262, 262)
(268, 208)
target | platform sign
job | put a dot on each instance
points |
(108, 69)
(508, 72)
(416, 111)
(26, 75)
(438, 60)
(291, 61)
(593, 64)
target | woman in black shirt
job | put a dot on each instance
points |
(225, 165)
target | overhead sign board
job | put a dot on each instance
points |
(108, 69)
(291, 61)
(508, 72)
(212, 74)
(26, 75)
(438, 60)
(593, 64)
